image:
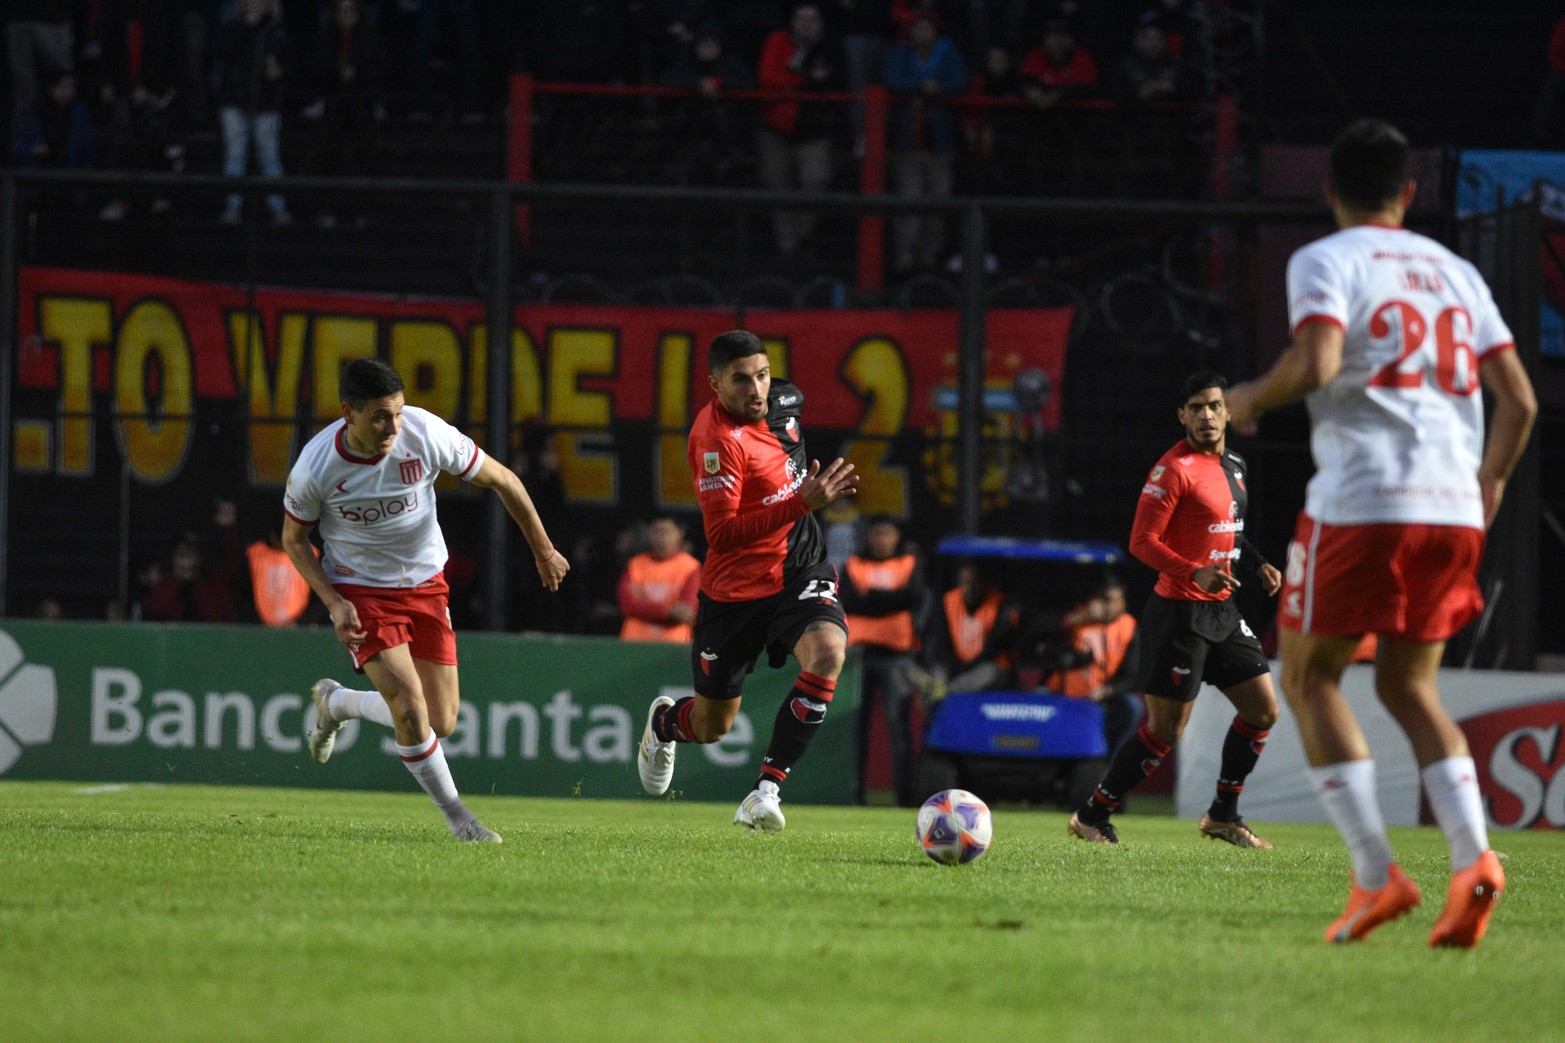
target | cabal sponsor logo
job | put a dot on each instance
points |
(27, 703)
(1520, 756)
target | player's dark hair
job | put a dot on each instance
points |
(1200, 381)
(364, 380)
(1370, 163)
(735, 344)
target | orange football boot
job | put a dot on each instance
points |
(1368, 909)
(1471, 899)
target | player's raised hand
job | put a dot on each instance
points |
(829, 484)
(553, 569)
(1214, 578)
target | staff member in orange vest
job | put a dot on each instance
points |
(657, 591)
(280, 595)
(883, 594)
(1107, 653)
(972, 641)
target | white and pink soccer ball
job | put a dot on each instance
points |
(954, 826)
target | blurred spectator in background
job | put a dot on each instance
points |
(795, 137)
(280, 596)
(1101, 659)
(40, 42)
(1187, 31)
(197, 582)
(866, 29)
(576, 41)
(49, 608)
(54, 130)
(657, 591)
(252, 60)
(347, 66)
(1058, 69)
(708, 67)
(1150, 72)
(923, 73)
(454, 22)
(1547, 108)
(665, 31)
(883, 594)
(994, 133)
(971, 639)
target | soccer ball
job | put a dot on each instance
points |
(954, 826)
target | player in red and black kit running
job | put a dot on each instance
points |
(766, 584)
(1190, 527)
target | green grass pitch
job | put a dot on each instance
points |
(201, 913)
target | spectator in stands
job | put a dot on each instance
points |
(1150, 72)
(924, 73)
(1102, 660)
(795, 137)
(253, 58)
(1188, 31)
(1546, 109)
(202, 575)
(347, 68)
(665, 32)
(995, 133)
(576, 41)
(459, 18)
(280, 596)
(866, 29)
(657, 591)
(54, 129)
(971, 640)
(1058, 69)
(709, 68)
(40, 43)
(883, 594)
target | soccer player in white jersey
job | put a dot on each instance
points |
(1392, 337)
(368, 482)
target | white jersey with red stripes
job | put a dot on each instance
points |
(1397, 435)
(377, 513)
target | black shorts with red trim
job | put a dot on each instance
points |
(730, 636)
(1196, 641)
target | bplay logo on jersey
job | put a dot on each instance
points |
(27, 703)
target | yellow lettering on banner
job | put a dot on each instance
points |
(154, 427)
(76, 324)
(526, 384)
(427, 354)
(675, 487)
(337, 339)
(777, 356)
(270, 391)
(589, 473)
(877, 372)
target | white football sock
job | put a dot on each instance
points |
(1452, 788)
(1347, 791)
(346, 704)
(427, 762)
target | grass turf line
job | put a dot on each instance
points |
(203, 913)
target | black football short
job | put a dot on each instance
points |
(1189, 642)
(730, 635)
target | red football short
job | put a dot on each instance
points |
(418, 617)
(1413, 582)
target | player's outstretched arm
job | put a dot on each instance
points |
(1515, 408)
(551, 564)
(822, 486)
(1310, 362)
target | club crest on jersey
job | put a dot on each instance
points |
(412, 470)
(791, 428)
(710, 463)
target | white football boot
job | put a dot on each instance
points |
(656, 759)
(323, 733)
(762, 809)
(477, 832)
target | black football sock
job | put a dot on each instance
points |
(1241, 749)
(798, 719)
(672, 723)
(1137, 757)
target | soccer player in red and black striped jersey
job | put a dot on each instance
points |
(1190, 527)
(766, 584)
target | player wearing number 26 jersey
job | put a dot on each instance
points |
(1394, 337)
